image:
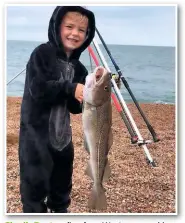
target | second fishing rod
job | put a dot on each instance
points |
(150, 128)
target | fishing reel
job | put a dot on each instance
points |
(117, 79)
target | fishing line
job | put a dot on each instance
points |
(15, 76)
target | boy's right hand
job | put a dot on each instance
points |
(79, 92)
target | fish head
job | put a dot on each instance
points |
(97, 88)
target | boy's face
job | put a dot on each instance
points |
(73, 31)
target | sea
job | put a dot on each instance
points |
(150, 71)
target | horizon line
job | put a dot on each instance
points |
(120, 44)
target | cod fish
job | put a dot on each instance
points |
(97, 122)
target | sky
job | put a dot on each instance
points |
(124, 25)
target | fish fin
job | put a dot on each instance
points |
(110, 141)
(88, 170)
(97, 199)
(107, 172)
(86, 145)
(83, 102)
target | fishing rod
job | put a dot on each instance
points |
(154, 135)
(15, 76)
(118, 105)
(141, 142)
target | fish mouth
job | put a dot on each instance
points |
(96, 78)
(99, 73)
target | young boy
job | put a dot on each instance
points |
(53, 88)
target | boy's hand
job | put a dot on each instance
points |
(79, 92)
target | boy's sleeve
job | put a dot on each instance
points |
(39, 70)
(74, 106)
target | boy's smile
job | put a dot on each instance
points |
(73, 31)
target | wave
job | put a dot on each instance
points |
(164, 102)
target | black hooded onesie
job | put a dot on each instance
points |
(45, 143)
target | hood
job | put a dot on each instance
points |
(54, 29)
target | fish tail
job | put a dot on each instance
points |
(97, 199)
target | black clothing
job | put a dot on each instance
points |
(56, 185)
(45, 140)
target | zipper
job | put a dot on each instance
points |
(68, 70)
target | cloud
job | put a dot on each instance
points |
(17, 21)
(143, 25)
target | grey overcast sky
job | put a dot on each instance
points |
(125, 25)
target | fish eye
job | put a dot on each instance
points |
(106, 88)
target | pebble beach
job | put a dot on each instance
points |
(134, 185)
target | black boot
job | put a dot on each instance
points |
(58, 211)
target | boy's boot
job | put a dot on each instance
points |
(58, 211)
